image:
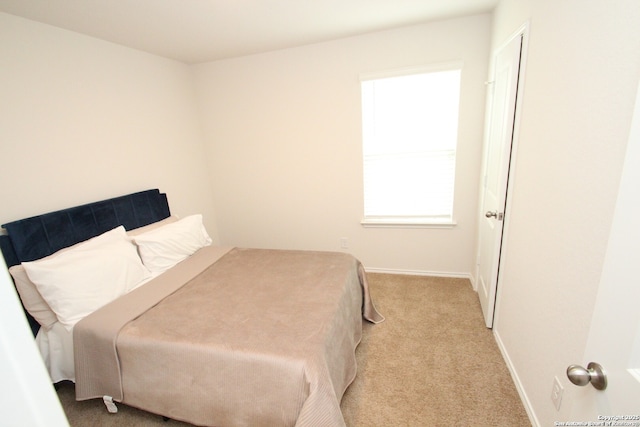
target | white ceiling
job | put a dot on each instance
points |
(196, 31)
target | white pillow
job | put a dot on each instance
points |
(152, 226)
(164, 247)
(29, 294)
(78, 282)
(31, 298)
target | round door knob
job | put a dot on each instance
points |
(593, 374)
(491, 214)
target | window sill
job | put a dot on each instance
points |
(407, 223)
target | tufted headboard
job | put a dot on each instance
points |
(39, 236)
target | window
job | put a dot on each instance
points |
(410, 130)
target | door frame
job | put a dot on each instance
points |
(523, 32)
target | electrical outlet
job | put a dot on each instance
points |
(556, 393)
(344, 242)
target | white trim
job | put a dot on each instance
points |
(474, 283)
(418, 273)
(512, 182)
(526, 402)
(516, 380)
(524, 53)
(407, 222)
(523, 32)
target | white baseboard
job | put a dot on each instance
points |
(514, 375)
(420, 273)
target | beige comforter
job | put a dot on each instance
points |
(254, 338)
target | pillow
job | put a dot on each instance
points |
(152, 226)
(29, 294)
(78, 282)
(31, 298)
(164, 247)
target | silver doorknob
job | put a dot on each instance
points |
(594, 374)
(494, 214)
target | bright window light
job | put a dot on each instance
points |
(410, 130)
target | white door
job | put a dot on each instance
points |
(497, 155)
(614, 336)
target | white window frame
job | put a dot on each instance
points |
(416, 221)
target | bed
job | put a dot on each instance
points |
(210, 335)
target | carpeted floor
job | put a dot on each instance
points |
(432, 362)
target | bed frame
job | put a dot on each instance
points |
(33, 238)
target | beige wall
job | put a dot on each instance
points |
(284, 145)
(582, 71)
(84, 120)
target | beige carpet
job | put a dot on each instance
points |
(431, 363)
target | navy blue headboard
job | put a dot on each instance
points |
(36, 237)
